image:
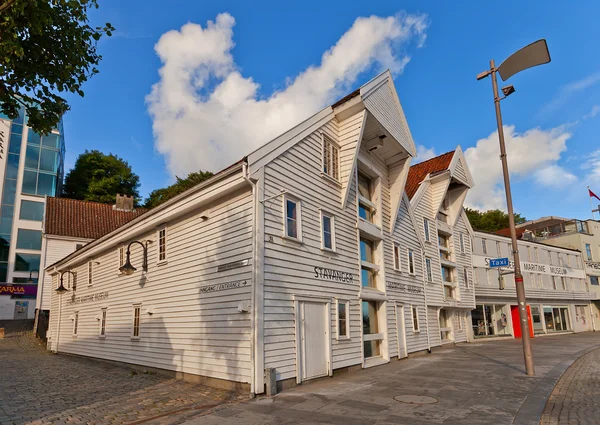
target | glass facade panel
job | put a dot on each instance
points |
(46, 184)
(549, 319)
(12, 166)
(10, 191)
(29, 239)
(32, 157)
(33, 138)
(3, 271)
(51, 140)
(29, 182)
(14, 145)
(31, 210)
(27, 262)
(49, 160)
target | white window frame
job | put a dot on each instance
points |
(90, 273)
(462, 243)
(426, 230)
(484, 246)
(588, 254)
(120, 258)
(332, 220)
(466, 277)
(102, 328)
(428, 270)
(333, 164)
(138, 308)
(75, 323)
(158, 245)
(298, 202)
(410, 258)
(397, 260)
(347, 319)
(414, 314)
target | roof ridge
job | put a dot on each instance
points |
(434, 158)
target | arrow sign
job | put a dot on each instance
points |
(499, 262)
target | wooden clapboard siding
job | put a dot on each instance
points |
(189, 331)
(464, 261)
(349, 132)
(460, 173)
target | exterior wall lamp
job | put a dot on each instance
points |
(127, 268)
(30, 280)
(61, 288)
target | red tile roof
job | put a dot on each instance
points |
(84, 219)
(506, 232)
(418, 172)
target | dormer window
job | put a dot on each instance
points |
(331, 158)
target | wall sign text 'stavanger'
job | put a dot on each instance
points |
(330, 274)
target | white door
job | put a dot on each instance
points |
(401, 325)
(313, 335)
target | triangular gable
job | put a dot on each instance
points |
(406, 205)
(350, 133)
(459, 169)
(398, 173)
(439, 187)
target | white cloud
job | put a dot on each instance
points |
(424, 153)
(595, 110)
(592, 167)
(554, 176)
(528, 153)
(206, 114)
(566, 91)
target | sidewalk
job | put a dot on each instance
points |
(478, 383)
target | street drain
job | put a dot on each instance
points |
(416, 399)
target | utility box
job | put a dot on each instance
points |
(271, 381)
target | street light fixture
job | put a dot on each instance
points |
(127, 268)
(61, 288)
(30, 280)
(529, 56)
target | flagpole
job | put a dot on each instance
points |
(591, 205)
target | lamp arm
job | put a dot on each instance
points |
(145, 251)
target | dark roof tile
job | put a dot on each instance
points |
(418, 172)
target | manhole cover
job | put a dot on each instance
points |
(416, 399)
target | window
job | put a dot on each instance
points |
(29, 239)
(447, 274)
(588, 252)
(331, 155)
(428, 269)
(31, 210)
(484, 246)
(102, 323)
(466, 277)
(162, 245)
(75, 323)
(462, 243)
(368, 266)
(537, 255)
(563, 281)
(90, 272)
(135, 332)
(292, 218)
(372, 337)
(415, 319)
(121, 257)
(411, 261)
(397, 264)
(366, 205)
(343, 320)
(426, 228)
(594, 280)
(327, 231)
(27, 262)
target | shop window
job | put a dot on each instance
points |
(331, 158)
(428, 270)
(292, 213)
(397, 265)
(31, 210)
(490, 320)
(327, 231)
(137, 311)
(372, 337)
(102, 323)
(29, 239)
(556, 319)
(343, 319)
(162, 245)
(411, 261)
(415, 319)
(426, 230)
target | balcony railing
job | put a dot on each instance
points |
(557, 230)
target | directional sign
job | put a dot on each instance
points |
(499, 262)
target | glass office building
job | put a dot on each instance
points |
(31, 166)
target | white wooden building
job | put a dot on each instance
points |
(558, 294)
(305, 257)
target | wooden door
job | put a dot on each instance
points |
(314, 335)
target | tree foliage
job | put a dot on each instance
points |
(159, 196)
(99, 177)
(46, 47)
(491, 220)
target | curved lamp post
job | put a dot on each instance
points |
(127, 268)
(61, 288)
(30, 280)
(529, 56)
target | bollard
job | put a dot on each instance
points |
(271, 381)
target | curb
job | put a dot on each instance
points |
(530, 412)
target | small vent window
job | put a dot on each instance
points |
(331, 158)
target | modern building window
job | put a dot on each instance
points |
(75, 323)
(26, 262)
(484, 246)
(327, 231)
(466, 277)
(428, 270)
(367, 208)
(102, 323)
(137, 311)
(563, 281)
(331, 158)
(29, 239)
(343, 319)
(292, 213)
(372, 337)
(594, 280)
(162, 244)
(31, 210)
(588, 252)
(557, 319)
(368, 266)
(462, 243)
(490, 320)
(415, 319)
(411, 261)
(90, 272)
(426, 229)
(397, 265)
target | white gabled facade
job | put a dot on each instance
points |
(558, 295)
(306, 257)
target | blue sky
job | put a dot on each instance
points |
(259, 68)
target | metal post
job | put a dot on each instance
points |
(522, 305)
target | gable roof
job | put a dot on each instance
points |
(84, 219)
(418, 172)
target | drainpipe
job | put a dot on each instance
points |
(253, 341)
(592, 316)
(425, 296)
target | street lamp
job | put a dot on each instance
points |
(532, 55)
(61, 288)
(30, 280)
(127, 268)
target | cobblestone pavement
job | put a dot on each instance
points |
(574, 400)
(37, 387)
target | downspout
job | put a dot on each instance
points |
(254, 279)
(426, 305)
(592, 316)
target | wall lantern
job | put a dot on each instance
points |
(30, 280)
(127, 268)
(61, 288)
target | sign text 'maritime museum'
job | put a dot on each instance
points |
(480, 261)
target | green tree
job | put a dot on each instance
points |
(159, 196)
(46, 47)
(99, 177)
(491, 220)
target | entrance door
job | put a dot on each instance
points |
(313, 339)
(21, 310)
(581, 324)
(514, 310)
(401, 325)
